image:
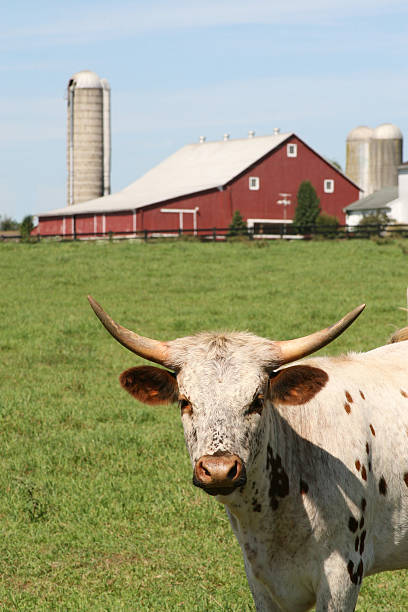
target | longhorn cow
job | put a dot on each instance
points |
(309, 459)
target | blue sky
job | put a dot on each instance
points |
(182, 69)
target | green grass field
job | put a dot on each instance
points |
(90, 520)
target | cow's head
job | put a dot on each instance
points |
(221, 381)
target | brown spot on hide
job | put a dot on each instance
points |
(358, 465)
(356, 543)
(364, 473)
(404, 393)
(382, 486)
(348, 397)
(363, 504)
(353, 524)
(361, 522)
(279, 481)
(362, 394)
(297, 385)
(362, 540)
(347, 407)
(406, 478)
(372, 429)
(150, 385)
(367, 448)
(304, 487)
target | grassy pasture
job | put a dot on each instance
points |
(97, 510)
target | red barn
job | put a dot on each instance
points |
(201, 185)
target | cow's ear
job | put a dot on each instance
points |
(297, 384)
(150, 385)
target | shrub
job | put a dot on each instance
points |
(238, 226)
(375, 224)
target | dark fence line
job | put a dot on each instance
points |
(258, 232)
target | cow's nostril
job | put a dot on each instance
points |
(233, 471)
(204, 469)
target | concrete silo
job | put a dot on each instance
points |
(358, 157)
(386, 155)
(88, 142)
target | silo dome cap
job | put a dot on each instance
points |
(362, 132)
(388, 131)
(86, 79)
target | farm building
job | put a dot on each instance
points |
(201, 185)
(391, 201)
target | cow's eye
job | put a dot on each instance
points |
(185, 406)
(256, 406)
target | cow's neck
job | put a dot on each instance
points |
(272, 491)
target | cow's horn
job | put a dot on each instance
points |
(291, 350)
(153, 350)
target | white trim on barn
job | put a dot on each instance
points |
(181, 212)
(251, 222)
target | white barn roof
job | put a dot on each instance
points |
(194, 168)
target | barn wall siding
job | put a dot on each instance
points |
(279, 173)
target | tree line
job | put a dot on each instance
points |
(25, 227)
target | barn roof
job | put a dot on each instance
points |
(191, 169)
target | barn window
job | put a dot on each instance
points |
(254, 183)
(291, 150)
(328, 186)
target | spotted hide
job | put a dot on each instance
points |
(310, 458)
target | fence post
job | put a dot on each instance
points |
(145, 235)
(214, 233)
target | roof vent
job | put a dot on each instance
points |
(251, 133)
(203, 139)
(276, 131)
(226, 136)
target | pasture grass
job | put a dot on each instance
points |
(97, 510)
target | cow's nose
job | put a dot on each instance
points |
(219, 474)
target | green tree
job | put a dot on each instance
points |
(336, 164)
(7, 223)
(238, 226)
(307, 209)
(26, 226)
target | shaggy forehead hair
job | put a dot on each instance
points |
(223, 349)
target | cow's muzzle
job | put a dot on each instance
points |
(219, 474)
